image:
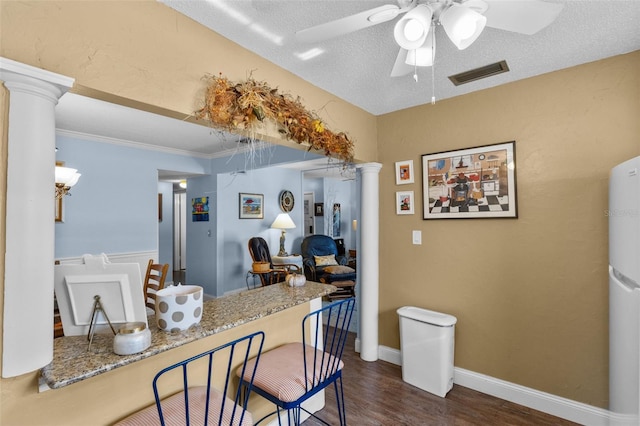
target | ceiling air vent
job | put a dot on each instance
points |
(479, 73)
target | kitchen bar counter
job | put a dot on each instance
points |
(72, 362)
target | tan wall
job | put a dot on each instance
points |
(531, 300)
(530, 294)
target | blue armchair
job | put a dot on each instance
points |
(322, 263)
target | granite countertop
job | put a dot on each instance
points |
(72, 361)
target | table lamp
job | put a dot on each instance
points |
(283, 221)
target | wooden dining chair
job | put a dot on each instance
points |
(201, 391)
(154, 281)
(290, 374)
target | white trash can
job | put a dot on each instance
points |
(426, 344)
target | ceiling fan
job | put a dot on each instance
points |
(462, 20)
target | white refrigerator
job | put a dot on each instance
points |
(624, 293)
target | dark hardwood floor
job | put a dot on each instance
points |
(375, 394)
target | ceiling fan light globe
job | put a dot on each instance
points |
(411, 31)
(462, 25)
(465, 27)
(422, 56)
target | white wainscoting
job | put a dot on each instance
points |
(547, 403)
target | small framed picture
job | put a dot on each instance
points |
(404, 172)
(200, 209)
(319, 209)
(251, 206)
(404, 202)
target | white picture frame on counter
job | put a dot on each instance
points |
(118, 285)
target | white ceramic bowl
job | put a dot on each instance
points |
(179, 307)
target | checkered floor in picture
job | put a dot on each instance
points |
(490, 203)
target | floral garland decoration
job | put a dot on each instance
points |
(243, 105)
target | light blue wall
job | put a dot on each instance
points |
(330, 191)
(234, 235)
(114, 206)
(201, 236)
(217, 254)
(343, 192)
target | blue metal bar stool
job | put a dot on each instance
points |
(210, 398)
(292, 373)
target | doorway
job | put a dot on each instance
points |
(179, 236)
(309, 219)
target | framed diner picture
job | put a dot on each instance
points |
(477, 182)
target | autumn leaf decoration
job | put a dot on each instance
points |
(242, 106)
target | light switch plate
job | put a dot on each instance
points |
(417, 237)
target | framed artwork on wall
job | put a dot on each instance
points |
(251, 206)
(470, 183)
(336, 220)
(319, 209)
(404, 202)
(404, 172)
(200, 209)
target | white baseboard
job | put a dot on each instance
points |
(391, 355)
(547, 403)
(537, 400)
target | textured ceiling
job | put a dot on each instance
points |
(356, 67)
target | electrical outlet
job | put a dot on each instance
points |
(417, 237)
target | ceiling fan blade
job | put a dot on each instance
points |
(348, 24)
(400, 68)
(521, 16)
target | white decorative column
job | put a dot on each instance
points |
(30, 234)
(368, 263)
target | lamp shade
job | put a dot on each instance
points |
(283, 221)
(411, 31)
(462, 25)
(67, 176)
